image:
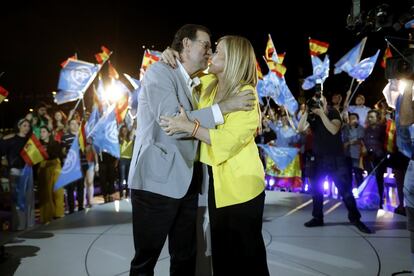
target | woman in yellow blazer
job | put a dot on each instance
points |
(236, 191)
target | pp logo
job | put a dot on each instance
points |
(364, 70)
(111, 133)
(81, 74)
(70, 162)
(318, 70)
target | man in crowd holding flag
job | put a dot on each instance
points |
(51, 201)
(67, 141)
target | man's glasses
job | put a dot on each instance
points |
(206, 44)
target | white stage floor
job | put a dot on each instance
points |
(99, 241)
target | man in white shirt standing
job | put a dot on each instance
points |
(359, 108)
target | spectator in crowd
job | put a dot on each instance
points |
(126, 142)
(59, 123)
(51, 202)
(374, 135)
(358, 108)
(67, 140)
(43, 119)
(352, 135)
(23, 212)
(93, 167)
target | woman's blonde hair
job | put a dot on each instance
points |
(240, 65)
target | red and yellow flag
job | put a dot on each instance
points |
(82, 136)
(103, 56)
(33, 152)
(278, 68)
(3, 93)
(281, 57)
(112, 71)
(149, 58)
(271, 50)
(387, 54)
(63, 64)
(121, 109)
(390, 136)
(317, 47)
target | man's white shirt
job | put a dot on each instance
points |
(191, 83)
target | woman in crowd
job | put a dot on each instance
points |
(51, 202)
(59, 122)
(126, 142)
(21, 184)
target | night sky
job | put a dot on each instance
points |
(36, 38)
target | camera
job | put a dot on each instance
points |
(316, 100)
(401, 67)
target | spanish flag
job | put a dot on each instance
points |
(82, 137)
(387, 54)
(278, 68)
(3, 93)
(317, 47)
(270, 49)
(281, 57)
(121, 109)
(149, 58)
(33, 152)
(103, 56)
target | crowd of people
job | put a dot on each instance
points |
(56, 134)
(192, 124)
(368, 140)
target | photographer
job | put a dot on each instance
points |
(328, 158)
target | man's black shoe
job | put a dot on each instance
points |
(314, 223)
(362, 227)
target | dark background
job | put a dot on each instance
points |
(36, 38)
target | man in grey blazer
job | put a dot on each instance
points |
(165, 176)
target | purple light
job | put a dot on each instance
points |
(326, 185)
(355, 192)
(306, 187)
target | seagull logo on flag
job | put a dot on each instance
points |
(111, 133)
(70, 162)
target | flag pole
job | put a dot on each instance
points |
(353, 93)
(72, 111)
(359, 58)
(290, 119)
(83, 110)
(392, 46)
